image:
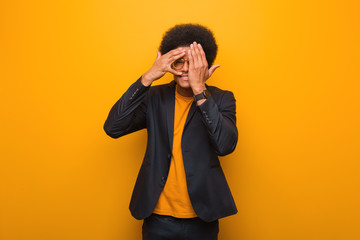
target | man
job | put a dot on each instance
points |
(181, 190)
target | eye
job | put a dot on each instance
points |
(177, 64)
(181, 60)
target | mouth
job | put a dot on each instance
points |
(184, 77)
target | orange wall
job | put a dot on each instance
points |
(292, 65)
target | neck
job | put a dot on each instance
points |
(186, 92)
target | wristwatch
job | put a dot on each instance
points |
(204, 95)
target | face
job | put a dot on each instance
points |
(183, 80)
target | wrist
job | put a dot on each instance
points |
(198, 89)
(201, 101)
(146, 80)
(201, 97)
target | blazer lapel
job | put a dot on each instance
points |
(191, 113)
(170, 111)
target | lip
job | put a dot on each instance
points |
(186, 78)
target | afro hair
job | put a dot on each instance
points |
(182, 35)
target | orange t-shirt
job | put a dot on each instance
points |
(174, 199)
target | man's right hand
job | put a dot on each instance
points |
(162, 65)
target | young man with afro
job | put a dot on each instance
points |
(181, 190)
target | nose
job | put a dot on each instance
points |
(185, 68)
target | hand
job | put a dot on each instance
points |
(198, 68)
(162, 65)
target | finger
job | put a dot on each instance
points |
(174, 52)
(191, 59)
(158, 55)
(212, 69)
(170, 70)
(202, 54)
(176, 57)
(197, 53)
(193, 55)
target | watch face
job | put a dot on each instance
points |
(207, 94)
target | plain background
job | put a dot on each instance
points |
(292, 65)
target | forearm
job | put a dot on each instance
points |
(128, 113)
(221, 123)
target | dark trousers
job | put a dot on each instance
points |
(159, 227)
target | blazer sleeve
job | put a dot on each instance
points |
(220, 120)
(129, 113)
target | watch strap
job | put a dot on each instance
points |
(203, 95)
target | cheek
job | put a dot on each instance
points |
(176, 78)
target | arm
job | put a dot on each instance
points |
(220, 118)
(220, 121)
(129, 113)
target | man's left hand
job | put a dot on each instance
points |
(198, 68)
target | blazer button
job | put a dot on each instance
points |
(169, 156)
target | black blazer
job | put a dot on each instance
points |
(210, 131)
